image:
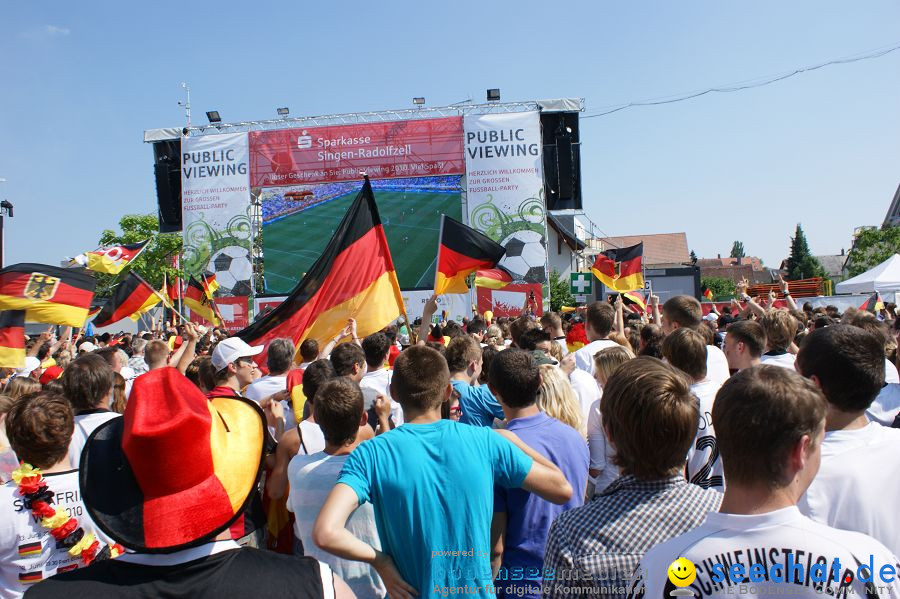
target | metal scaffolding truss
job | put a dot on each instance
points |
(352, 118)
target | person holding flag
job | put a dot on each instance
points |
(200, 303)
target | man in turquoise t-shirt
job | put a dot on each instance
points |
(431, 484)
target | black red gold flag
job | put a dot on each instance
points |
(353, 278)
(635, 298)
(200, 303)
(113, 259)
(132, 296)
(12, 338)
(873, 304)
(493, 278)
(620, 268)
(462, 251)
(47, 293)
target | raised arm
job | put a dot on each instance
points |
(620, 315)
(654, 310)
(544, 479)
(425, 327)
(331, 535)
(786, 291)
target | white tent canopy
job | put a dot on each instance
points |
(883, 278)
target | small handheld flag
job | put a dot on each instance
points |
(133, 296)
(493, 278)
(462, 251)
(873, 304)
(199, 302)
(707, 293)
(620, 269)
(12, 338)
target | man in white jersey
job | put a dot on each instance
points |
(855, 488)
(39, 427)
(758, 543)
(598, 323)
(686, 349)
(683, 311)
(377, 379)
(278, 360)
(313, 476)
(87, 383)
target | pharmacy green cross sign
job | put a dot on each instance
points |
(581, 283)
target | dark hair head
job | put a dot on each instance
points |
(460, 352)
(518, 327)
(345, 356)
(651, 417)
(487, 357)
(751, 334)
(315, 376)
(847, 361)
(421, 378)
(530, 338)
(39, 427)
(476, 326)
(108, 353)
(652, 336)
(515, 378)
(759, 415)
(551, 320)
(600, 317)
(376, 348)
(280, 355)
(685, 349)
(683, 310)
(87, 381)
(206, 373)
(339, 409)
(453, 330)
(309, 350)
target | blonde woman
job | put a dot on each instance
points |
(21, 385)
(602, 470)
(557, 398)
(493, 337)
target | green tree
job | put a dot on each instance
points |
(560, 294)
(721, 287)
(801, 264)
(872, 247)
(155, 260)
(737, 249)
(693, 257)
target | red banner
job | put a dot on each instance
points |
(234, 313)
(510, 300)
(418, 148)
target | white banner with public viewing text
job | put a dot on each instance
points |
(215, 208)
(505, 189)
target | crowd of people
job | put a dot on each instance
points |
(606, 452)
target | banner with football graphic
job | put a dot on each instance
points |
(215, 184)
(505, 191)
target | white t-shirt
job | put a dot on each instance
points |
(268, 385)
(584, 357)
(586, 390)
(600, 450)
(561, 342)
(311, 478)
(886, 405)
(28, 552)
(704, 465)
(378, 382)
(766, 539)
(890, 372)
(858, 484)
(716, 365)
(785, 360)
(85, 424)
(311, 437)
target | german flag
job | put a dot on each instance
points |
(873, 304)
(134, 295)
(113, 259)
(210, 284)
(30, 549)
(30, 577)
(199, 302)
(493, 278)
(462, 251)
(707, 293)
(353, 278)
(620, 268)
(47, 293)
(12, 338)
(634, 298)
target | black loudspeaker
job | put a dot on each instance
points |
(562, 160)
(167, 171)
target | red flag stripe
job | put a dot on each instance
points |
(452, 263)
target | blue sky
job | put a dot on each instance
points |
(82, 81)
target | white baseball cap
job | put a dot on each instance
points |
(229, 350)
(86, 347)
(711, 316)
(31, 363)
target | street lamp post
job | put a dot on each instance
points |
(6, 209)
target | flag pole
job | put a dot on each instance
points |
(437, 263)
